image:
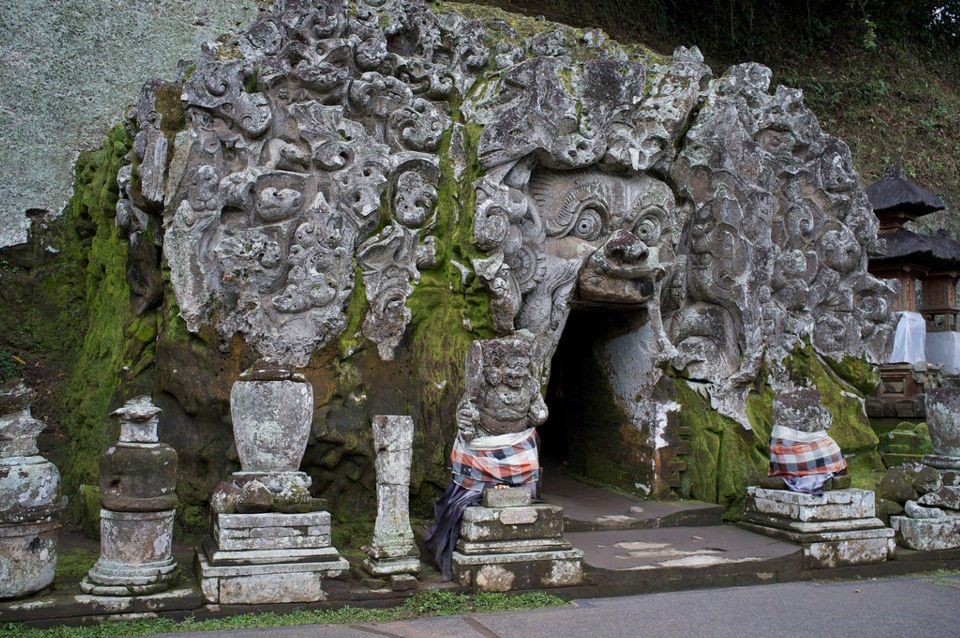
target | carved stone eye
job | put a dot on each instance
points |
(648, 230)
(588, 224)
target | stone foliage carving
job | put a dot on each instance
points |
(317, 144)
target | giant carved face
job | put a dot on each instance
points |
(619, 229)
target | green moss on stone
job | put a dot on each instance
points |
(859, 373)
(97, 256)
(724, 456)
(851, 428)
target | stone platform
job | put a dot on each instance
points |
(269, 557)
(587, 508)
(834, 529)
(517, 546)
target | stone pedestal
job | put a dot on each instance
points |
(393, 550)
(837, 528)
(518, 545)
(136, 555)
(30, 501)
(268, 542)
(268, 558)
(138, 478)
(932, 521)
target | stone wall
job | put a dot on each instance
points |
(68, 69)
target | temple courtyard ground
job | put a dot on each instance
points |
(918, 607)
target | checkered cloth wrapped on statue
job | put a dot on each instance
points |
(507, 459)
(795, 454)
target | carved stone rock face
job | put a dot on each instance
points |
(339, 142)
(616, 230)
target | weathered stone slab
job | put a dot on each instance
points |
(946, 496)
(507, 497)
(813, 526)
(302, 587)
(265, 556)
(942, 462)
(487, 523)
(830, 506)
(927, 533)
(393, 566)
(332, 568)
(274, 543)
(513, 547)
(528, 570)
(270, 519)
(835, 548)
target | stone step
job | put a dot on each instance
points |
(679, 557)
(588, 508)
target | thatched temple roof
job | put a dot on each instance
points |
(895, 191)
(937, 251)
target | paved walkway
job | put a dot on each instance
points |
(918, 607)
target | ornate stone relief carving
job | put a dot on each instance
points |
(317, 144)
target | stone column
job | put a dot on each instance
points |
(30, 501)
(393, 550)
(138, 479)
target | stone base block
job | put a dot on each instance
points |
(267, 556)
(279, 582)
(276, 482)
(110, 578)
(391, 566)
(802, 527)
(507, 497)
(836, 548)
(927, 533)
(835, 505)
(403, 582)
(540, 521)
(136, 555)
(28, 557)
(470, 548)
(271, 531)
(528, 570)
(942, 462)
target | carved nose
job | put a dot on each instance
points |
(626, 247)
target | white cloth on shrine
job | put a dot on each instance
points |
(909, 341)
(943, 348)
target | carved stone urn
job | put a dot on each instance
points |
(943, 421)
(30, 501)
(272, 408)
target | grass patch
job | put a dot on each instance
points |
(428, 603)
(74, 563)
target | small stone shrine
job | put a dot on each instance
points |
(138, 480)
(393, 551)
(932, 520)
(30, 501)
(270, 540)
(509, 542)
(835, 527)
(926, 343)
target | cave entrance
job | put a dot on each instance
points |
(589, 433)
